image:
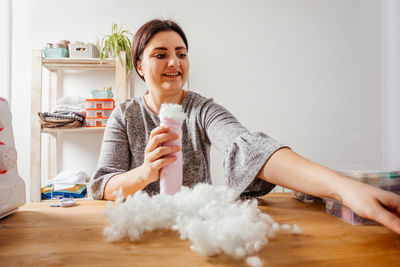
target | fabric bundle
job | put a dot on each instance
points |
(66, 184)
(68, 113)
(61, 119)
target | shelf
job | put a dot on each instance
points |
(74, 130)
(54, 73)
(77, 63)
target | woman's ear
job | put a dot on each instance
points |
(139, 68)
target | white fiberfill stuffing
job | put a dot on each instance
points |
(173, 111)
(254, 261)
(209, 216)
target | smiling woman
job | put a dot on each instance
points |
(134, 151)
(164, 66)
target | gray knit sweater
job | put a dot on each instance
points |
(206, 123)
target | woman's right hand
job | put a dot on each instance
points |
(155, 155)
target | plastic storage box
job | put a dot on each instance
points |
(100, 104)
(96, 122)
(342, 212)
(387, 180)
(306, 198)
(98, 112)
(82, 50)
(55, 52)
(105, 93)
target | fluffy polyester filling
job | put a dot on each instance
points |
(209, 216)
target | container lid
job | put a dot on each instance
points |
(59, 45)
(376, 176)
(100, 109)
(99, 99)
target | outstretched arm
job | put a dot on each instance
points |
(290, 170)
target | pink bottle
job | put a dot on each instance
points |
(171, 175)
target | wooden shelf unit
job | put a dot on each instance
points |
(55, 66)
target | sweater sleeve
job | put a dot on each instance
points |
(114, 155)
(245, 153)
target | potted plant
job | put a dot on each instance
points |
(118, 40)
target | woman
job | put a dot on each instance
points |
(132, 154)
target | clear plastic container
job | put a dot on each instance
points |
(100, 104)
(55, 52)
(337, 209)
(98, 113)
(96, 122)
(375, 176)
(105, 93)
(387, 180)
(306, 198)
(379, 177)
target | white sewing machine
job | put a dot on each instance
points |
(12, 187)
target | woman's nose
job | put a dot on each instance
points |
(173, 61)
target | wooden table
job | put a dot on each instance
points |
(40, 235)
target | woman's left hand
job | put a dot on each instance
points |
(374, 203)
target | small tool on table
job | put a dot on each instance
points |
(64, 202)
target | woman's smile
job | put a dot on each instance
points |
(175, 74)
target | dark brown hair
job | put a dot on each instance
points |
(147, 31)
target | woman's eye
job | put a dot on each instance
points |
(159, 56)
(182, 55)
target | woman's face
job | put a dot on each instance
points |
(164, 63)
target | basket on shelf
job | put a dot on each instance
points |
(82, 50)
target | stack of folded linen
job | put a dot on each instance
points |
(66, 184)
(68, 114)
(77, 191)
(61, 119)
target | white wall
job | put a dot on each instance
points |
(391, 83)
(5, 48)
(307, 72)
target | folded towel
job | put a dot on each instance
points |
(79, 116)
(59, 121)
(78, 191)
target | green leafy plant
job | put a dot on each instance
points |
(118, 40)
